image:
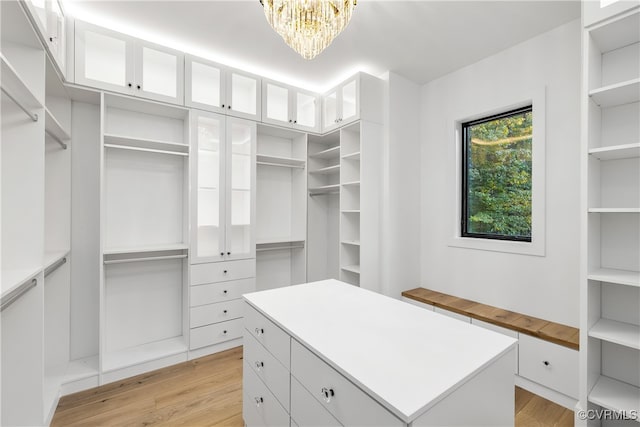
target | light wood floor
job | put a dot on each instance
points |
(208, 392)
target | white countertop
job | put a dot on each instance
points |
(406, 357)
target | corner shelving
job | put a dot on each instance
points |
(326, 170)
(352, 156)
(616, 395)
(329, 153)
(616, 332)
(614, 210)
(617, 94)
(352, 268)
(616, 152)
(268, 160)
(324, 189)
(610, 275)
(351, 242)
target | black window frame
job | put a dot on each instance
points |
(466, 146)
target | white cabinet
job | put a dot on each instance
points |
(291, 107)
(341, 105)
(49, 19)
(214, 87)
(113, 61)
(223, 182)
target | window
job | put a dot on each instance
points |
(497, 176)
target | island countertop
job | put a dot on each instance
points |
(406, 357)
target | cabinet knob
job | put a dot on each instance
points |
(222, 105)
(224, 292)
(295, 121)
(259, 365)
(221, 253)
(228, 253)
(546, 363)
(224, 311)
(290, 121)
(327, 394)
(225, 271)
(51, 39)
(259, 331)
(229, 107)
(138, 86)
(259, 401)
(129, 84)
(224, 332)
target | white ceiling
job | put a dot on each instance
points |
(421, 40)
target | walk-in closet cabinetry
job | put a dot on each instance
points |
(49, 19)
(214, 87)
(610, 328)
(287, 106)
(109, 60)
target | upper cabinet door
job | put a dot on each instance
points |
(330, 111)
(103, 58)
(204, 85)
(159, 73)
(307, 111)
(39, 10)
(241, 179)
(57, 39)
(243, 94)
(276, 104)
(349, 98)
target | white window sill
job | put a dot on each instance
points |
(507, 246)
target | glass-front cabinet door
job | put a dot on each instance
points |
(241, 178)
(57, 39)
(349, 101)
(208, 183)
(276, 106)
(307, 112)
(204, 86)
(159, 73)
(243, 94)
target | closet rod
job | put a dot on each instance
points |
(150, 150)
(56, 139)
(280, 165)
(55, 266)
(324, 193)
(155, 258)
(277, 248)
(16, 294)
(32, 116)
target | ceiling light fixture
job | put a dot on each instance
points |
(308, 26)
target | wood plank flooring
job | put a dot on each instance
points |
(208, 392)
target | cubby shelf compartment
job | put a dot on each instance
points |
(15, 87)
(614, 210)
(616, 152)
(329, 153)
(351, 184)
(143, 353)
(263, 159)
(616, 332)
(352, 268)
(617, 94)
(142, 144)
(53, 127)
(326, 171)
(325, 189)
(352, 156)
(351, 242)
(615, 395)
(620, 33)
(621, 277)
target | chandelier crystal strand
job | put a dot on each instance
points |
(308, 26)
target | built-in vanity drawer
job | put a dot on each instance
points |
(500, 330)
(452, 314)
(259, 406)
(274, 339)
(214, 334)
(268, 368)
(551, 365)
(214, 313)
(222, 271)
(344, 400)
(306, 410)
(219, 292)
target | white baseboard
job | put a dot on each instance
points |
(552, 395)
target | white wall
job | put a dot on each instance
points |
(542, 286)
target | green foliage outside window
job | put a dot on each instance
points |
(498, 177)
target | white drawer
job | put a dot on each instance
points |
(214, 313)
(222, 271)
(259, 405)
(216, 333)
(452, 314)
(267, 367)
(307, 411)
(274, 339)
(218, 292)
(551, 365)
(500, 330)
(348, 404)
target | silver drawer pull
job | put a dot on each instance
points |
(259, 365)
(327, 394)
(259, 401)
(546, 363)
(259, 331)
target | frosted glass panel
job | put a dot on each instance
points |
(205, 84)
(159, 72)
(306, 109)
(349, 100)
(58, 33)
(105, 58)
(330, 105)
(277, 103)
(241, 167)
(243, 94)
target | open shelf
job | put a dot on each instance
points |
(53, 126)
(352, 183)
(616, 152)
(142, 144)
(12, 279)
(329, 153)
(143, 353)
(325, 189)
(616, 332)
(51, 258)
(351, 242)
(327, 171)
(146, 249)
(352, 268)
(13, 83)
(278, 241)
(263, 159)
(623, 32)
(352, 156)
(621, 277)
(615, 395)
(617, 94)
(350, 211)
(614, 210)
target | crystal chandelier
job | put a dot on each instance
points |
(308, 26)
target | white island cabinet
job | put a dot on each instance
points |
(328, 353)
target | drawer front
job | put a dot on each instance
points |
(549, 364)
(268, 369)
(214, 313)
(274, 339)
(259, 405)
(307, 411)
(219, 292)
(222, 271)
(348, 404)
(214, 334)
(452, 314)
(500, 330)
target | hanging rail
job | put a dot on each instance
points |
(17, 293)
(148, 150)
(56, 139)
(53, 267)
(155, 258)
(32, 116)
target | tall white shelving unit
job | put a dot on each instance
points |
(610, 301)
